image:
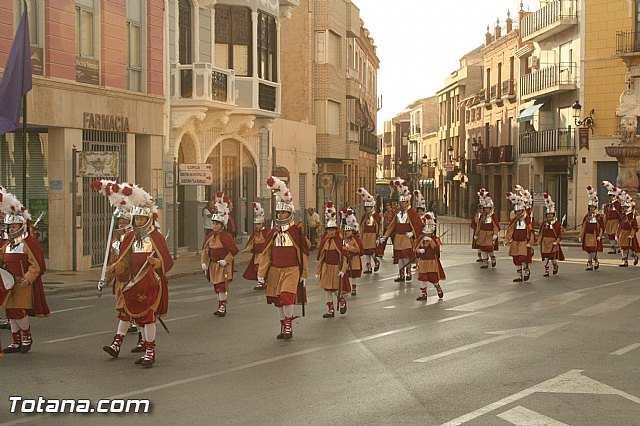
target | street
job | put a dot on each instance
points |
(562, 350)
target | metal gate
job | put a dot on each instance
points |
(96, 212)
(303, 197)
(607, 170)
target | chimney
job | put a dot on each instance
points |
(509, 22)
(487, 37)
(497, 30)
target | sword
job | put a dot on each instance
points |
(38, 220)
(103, 274)
(163, 325)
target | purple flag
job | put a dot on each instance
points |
(16, 80)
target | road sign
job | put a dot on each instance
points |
(195, 174)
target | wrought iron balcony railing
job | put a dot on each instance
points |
(549, 78)
(548, 141)
(627, 42)
(554, 12)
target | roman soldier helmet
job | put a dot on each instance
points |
(517, 201)
(485, 199)
(478, 194)
(142, 204)
(369, 200)
(221, 213)
(611, 188)
(592, 195)
(4, 202)
(258, 213)
(549, 205)
(14, 213)
(404, 194)
(627, 202)
(527, 198)
(430, 225)
(284, 201)
(349, 221)
(330, 220)
(118, 195)
(421, 203)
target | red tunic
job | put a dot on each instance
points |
(251, 272)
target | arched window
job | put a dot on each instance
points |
(184, 27)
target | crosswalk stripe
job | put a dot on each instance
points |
(521, 416)
(448, 295)
(553, 302)
(491, 301)
(626, 349)
(608, 306)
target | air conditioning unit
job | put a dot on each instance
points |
(533, 62)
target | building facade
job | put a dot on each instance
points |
(422, 146)
(98, 85)
(337, 92)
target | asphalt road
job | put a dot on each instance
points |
(552, 351)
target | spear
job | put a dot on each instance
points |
(103, 274)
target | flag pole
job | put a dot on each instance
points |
(24, 151)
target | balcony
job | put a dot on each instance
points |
(549, 20)
(556, 78)
(627, 43)
(548, 142)
(496, 155)
(258, 94)
(354, 88)
(202, 82)
(509, 89)
(494, 92)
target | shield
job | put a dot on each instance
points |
(142, 294)
(6, 285)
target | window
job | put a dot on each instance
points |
(321, 47)
(184, 32)
(34, 14)
(333, 118)
(267, 47)
(85, 28)
(350, 53)
(498, 132)
(234, 39)
(333, 53)
(135, 14)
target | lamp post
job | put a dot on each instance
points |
(588, 121)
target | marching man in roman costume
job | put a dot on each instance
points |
(370, 224)
(4, 324)
(143, 263)
(527, 200)
(488, 231)
(612, 214)
(23, 263)
(592, 230)
(427, 252)
(118, 198)
(549, 236)
(352, 248)
(218, 251)
(285, 259)
(421, 204)
(255, 245)
(404, 228)
(475, 225)
(520, 238)
(627, 230)
(331, 265)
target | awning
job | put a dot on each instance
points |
(528, 112)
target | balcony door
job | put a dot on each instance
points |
(184, 28)
(566, 63)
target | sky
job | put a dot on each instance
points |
(419, 42)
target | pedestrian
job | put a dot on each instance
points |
(592, 230)
(549, 236)
(475, 225)
(217, 255)
(427, 253)
(255, 246)
(21, 256)
(404, 228)
(488, 231)
(313, 223)
(285, 259)
(143, 264)
(433, 208)
(331, 266)
(207, 211)
(520, 238)
(627, 230)
(612, 214)
(119, 200)
(371, 227)
(231, 223)
(352, 248)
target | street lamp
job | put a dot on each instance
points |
(588, 121)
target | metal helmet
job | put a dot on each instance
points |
(121, 213)
(330, 219)
(430, 224)
(284, 202)
(22, 232)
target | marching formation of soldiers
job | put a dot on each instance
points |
(137, 259)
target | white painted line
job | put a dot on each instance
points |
(196, 298)
(481, 304)
(449, 295)
(93, 297)
(608, 306)
(181, 318)
(458, 317)
(553, 302)
(80, 336)
(72, 309)
(521, 416)
(389, 307)
(626, 349)
(462, 348)
(607, 285)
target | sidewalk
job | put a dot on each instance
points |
(69, 281)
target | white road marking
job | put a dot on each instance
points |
(536, 331)
(72, 309)
(626, 349)
(570, 382)
(181, 318)
(607, 285)
(553, 302)
(449, 295)
(608, 306)
(491, 301)
(93, 297)
(521, 416)
(458, 317)
(80, 336)
(389, 307)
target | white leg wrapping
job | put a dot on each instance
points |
(14, 326)
(23, 323)
(328, 295)
(554, 261)
(150, 332)
(123, 326)
(423, 284)
(485, 255)
(546, 262)
(288, 310)
(367, 258)
(222, 296)
(590, 257)
(281, 312)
